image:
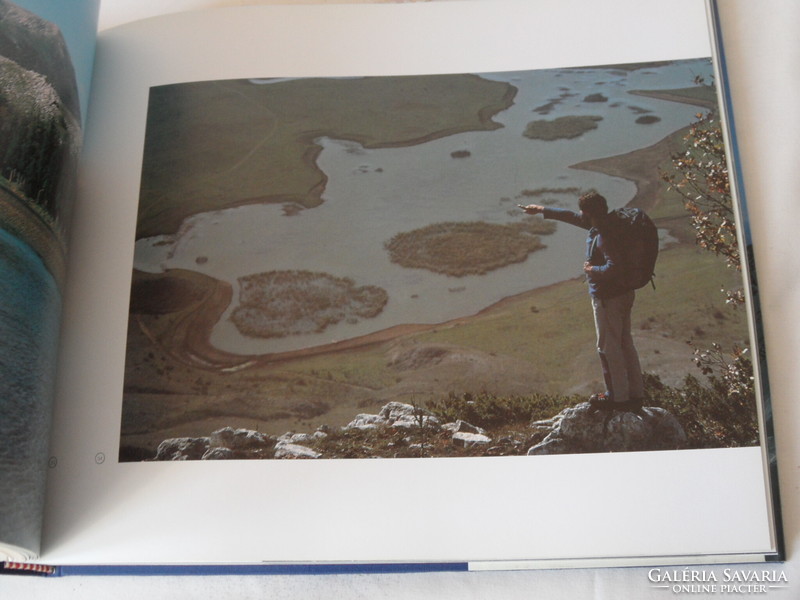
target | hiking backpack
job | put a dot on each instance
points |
(639, 237)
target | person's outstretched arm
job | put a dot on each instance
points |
(558, 214)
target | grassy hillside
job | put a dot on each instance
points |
(215, 144)
(538, 342)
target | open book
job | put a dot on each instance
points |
(310, 311)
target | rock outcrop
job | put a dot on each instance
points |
(230, 444)
(184, 448)
(578, 429)
(581, 429)
(397, 415)
(286, 450)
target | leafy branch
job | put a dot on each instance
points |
(700, 176)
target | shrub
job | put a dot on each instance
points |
(712, 417)
(491, 412)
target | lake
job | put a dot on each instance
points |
(373, 194)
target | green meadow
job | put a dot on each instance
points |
(213, 145)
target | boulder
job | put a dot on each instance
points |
(285, 450)
(465, 439)
(466, 434)
(463, 427)
(184, 448)
(366, 421)
(394, 410)
(220, 454)
(296, 438)
(412, 421)
(407, 416)
(395, 414)
(240, 439)
(581, 429)
(226, 443)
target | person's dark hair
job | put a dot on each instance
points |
(593, 204)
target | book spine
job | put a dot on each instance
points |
(20, 568)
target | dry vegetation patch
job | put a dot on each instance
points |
(562, 128)
(467, 248)
(282, 303)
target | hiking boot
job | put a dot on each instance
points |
(604, 402)
(635, 404)
(599, 398)
(601, 402)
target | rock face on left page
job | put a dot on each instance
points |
(39, 142)
(38, 46)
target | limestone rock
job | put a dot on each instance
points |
(184, 448)
(395, 414)
(220, 454)
(580, 429)
(297, 438)
(463, 427)
(465, 439)
(394, 410)
(411, 421)
(226, 443)
(366, 421)
(240, 439)
(284, 450)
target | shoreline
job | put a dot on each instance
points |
(190, 336)
(675, 97)
(639, 167)
(191, 342)
(473, 108)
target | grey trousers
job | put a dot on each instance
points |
(618, 357)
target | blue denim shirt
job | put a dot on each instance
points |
(603, 253)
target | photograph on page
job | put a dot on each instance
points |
(475, 264)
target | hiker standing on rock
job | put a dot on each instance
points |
(619, 259)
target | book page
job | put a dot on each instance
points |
(188, 212)
(46, 56)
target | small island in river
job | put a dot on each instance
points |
(474, 248)
(281, 303)
(562, 128)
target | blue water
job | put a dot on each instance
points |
(30, 305)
